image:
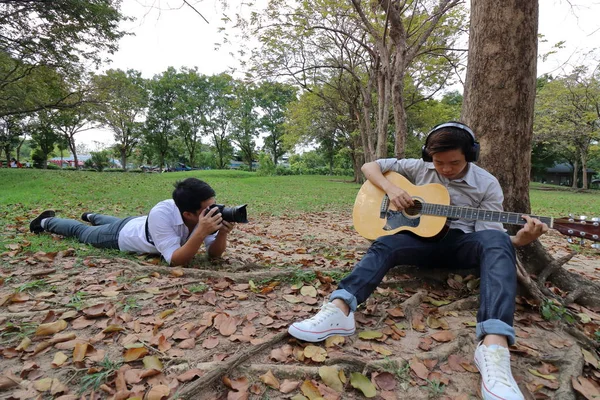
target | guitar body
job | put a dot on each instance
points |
(372, 218)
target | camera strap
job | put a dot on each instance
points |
(148, 238)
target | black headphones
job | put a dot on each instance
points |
(471, 155)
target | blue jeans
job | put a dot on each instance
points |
(105, 233)
(491, 251)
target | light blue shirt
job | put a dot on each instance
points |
(477, 189)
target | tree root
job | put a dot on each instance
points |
(468, 303)
(572, 366)
(195, 389)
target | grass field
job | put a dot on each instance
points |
(26, 192)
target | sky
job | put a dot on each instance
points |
(170, 33)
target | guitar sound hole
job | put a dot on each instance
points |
(415, 209)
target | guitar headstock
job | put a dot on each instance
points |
(580, 227)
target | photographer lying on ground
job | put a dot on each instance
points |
(166, 229)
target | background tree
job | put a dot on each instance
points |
(44, 138)
(245, 122)
(59, 36)
(219, 115)
(568, 118)
(123, 98)
(159, 129)
(273, 99)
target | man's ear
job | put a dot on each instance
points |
(187, 215)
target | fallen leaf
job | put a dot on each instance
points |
(43, 385)
(361, 382)
(210, 342)
(79, 351)
(315, 353)
(309, 291)
(310, 390)
(59, 359)
(134, 354)
(381, 349)
(335, 340)
(152, 362)
(419, 369)
(444, 336)
(269, 379)
(586, 387)
(370, 335)
(545, 376)
(330, 375)
(158, 392)
(190, 375)
(288, 386)
(51, 328)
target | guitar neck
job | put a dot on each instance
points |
(480, 214)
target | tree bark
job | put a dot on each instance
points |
(500, 91)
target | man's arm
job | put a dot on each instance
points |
(207, 224)
(398, 197)
(218, 246)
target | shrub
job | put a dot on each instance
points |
(114, 170)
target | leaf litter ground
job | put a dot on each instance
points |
(128, 327)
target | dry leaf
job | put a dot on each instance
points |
(43, 385)
(59, 359)
(79, 351)
(269, 379)
(158, 392)
(51, 328)
(152, 362)
(310, 390)
(134, 354)
(288, 386)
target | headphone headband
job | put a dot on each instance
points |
(472, 155)
(453, 125)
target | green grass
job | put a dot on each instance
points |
(24, 193)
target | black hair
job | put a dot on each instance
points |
(190, 193)
(448, 138)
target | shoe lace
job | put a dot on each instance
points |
(497, 363)
(327, 310)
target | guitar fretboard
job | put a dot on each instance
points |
(479, 214)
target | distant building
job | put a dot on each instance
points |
(562, 174)
(68, 161)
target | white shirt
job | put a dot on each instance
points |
(166, 228)
(477, 189)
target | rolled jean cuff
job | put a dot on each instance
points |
(495, 327)
(346, 296)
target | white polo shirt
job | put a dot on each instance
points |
(166, 228)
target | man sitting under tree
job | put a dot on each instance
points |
(448, 155)
(174, 228)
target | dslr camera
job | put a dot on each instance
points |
(231, 214)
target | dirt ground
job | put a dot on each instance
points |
(122, 328)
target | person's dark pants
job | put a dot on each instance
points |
(490, 250)
(104, 234)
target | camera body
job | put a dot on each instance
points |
(231, 214)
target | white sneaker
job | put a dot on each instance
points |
(497, 382)
(327, 322)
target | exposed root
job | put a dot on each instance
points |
(195, 389)
(572, 365)
(554, 265)
(468, 303)
(413, 302)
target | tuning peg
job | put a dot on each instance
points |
(596, 246)
(570, 240)
(582, 217)
(582, 242)
(595, 221)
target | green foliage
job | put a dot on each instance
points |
(15, 332)
(33, 285)
(77, 301)
(435, 389)
(199, 288)
(554, 312)
(266, 165)
(98, 160)
(94, 380)
(130, 304)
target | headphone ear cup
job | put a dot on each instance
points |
(474, 156)
(425, 155)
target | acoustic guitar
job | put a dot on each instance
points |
(374, 217)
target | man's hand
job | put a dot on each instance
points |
(226, 227)
(399, 198)
(209, 222)
(533, 229)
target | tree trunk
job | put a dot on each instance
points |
(500, 91)
(575, 173)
